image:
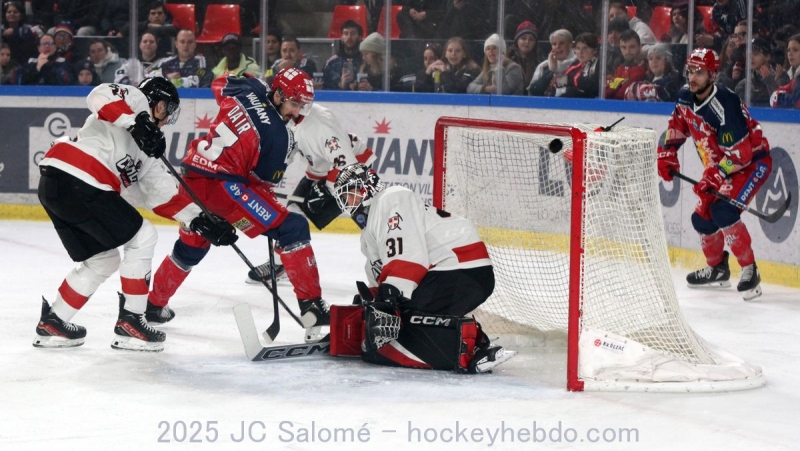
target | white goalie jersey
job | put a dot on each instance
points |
(326, 146)
(404, 239)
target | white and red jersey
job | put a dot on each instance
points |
(404, 239)
(326, 146)
(104, 154)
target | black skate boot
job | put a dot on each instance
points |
(263, 270)
(750, 282)
(53, 332)
(314, 313)
(711, 276)
(158, 315)
(134, 334)
(487, 358)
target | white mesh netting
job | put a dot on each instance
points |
(519, 194)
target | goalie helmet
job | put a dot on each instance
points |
(159, 89)
(354, 190)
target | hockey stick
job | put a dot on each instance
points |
(275, 326)
(257, 352)
(771, 218)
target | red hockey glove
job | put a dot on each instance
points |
(667, 162)
(704, 205)
(713, 178)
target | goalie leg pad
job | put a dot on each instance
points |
(347, 330)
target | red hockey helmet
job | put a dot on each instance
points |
(295, 85)
(702, 58)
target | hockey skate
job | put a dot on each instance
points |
(158, 315)
(314, 313)
(487, 358)
(711, 276)
(750, 282)
(134, 334)
(53, 332)
(254, 277)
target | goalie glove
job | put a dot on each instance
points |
(319, 206)
(148, 136)
(214, 229)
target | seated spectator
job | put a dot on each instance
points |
(234, 62)
(292, 56)
(8, 66)
(459, 70)
(494, 50)
(646, 35)
(523, 50)
(370, 74)
(763, 78)
(47, 68)
(549, 79)
(662, 82)
(116, 17)
(431, 63)
(679, 31)
(186, 69)
(64, 33)
(106, 61)
(339, 71)
(583, 76)
(159, 23)
(468, 19)
(134, 70)
(615, 29)
(19, 36)
(727, 13)
(633, 67)
(788, 95)
(418, 18)
(87, 76)
(273, 47)
(517, 12)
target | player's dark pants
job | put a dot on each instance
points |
(456, 292)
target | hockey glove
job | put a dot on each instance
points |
(319, 206)
(667, 162)
(391, 295)
(215, 229)
(713, 178)
(148, 136)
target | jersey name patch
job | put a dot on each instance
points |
(252, 203)
(394, 222)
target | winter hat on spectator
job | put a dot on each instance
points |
(232, 38)
(662, 50)
(619, 24)
(526, 27)
(495, 40)
(762, 46)
(373, 43)
(65, 27)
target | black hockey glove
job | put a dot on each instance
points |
(148, 136)
(215, 229)
(319, 206)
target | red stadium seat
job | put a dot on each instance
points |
(631, 12)
(183, 15)
(343, 13)
(382, 21)
(220, 20)
(661, 21)
(708, 23)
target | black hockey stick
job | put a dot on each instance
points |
(275, 326)
(771, 218)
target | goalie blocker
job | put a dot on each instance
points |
(318, 205)
(382, 335)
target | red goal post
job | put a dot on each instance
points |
(577, 240)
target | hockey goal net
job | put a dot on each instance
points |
(578, 244)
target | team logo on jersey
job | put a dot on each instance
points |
(332, 144)
(128, 170)
(394, 222)
(118, 91)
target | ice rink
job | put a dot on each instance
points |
(202, 391)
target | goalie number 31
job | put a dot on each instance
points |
(395, 246)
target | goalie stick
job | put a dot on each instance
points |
(275, 327)
(771, 218)
(257, 352)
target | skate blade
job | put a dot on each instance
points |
(499, 358)
(714, 285)
(314, 334)
(134, 344)
(56, 342)
(749, 295)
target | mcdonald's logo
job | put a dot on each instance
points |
(727, 138)
(277, 175)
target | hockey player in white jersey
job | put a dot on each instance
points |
(326, 148)
(426, 269)
(116, 151)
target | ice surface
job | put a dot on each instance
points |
(96, 398)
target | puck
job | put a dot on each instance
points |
(555, 145)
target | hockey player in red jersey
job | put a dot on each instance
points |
(426, 269)
(233, 171)
(80, 189)
(735, 155)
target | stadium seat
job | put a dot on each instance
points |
(183, 15)
(343, 13)
(631, 12)
(661, 21)
(382, 21)
(220, 20)
(708, 23)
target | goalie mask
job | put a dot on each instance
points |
(354, 189)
